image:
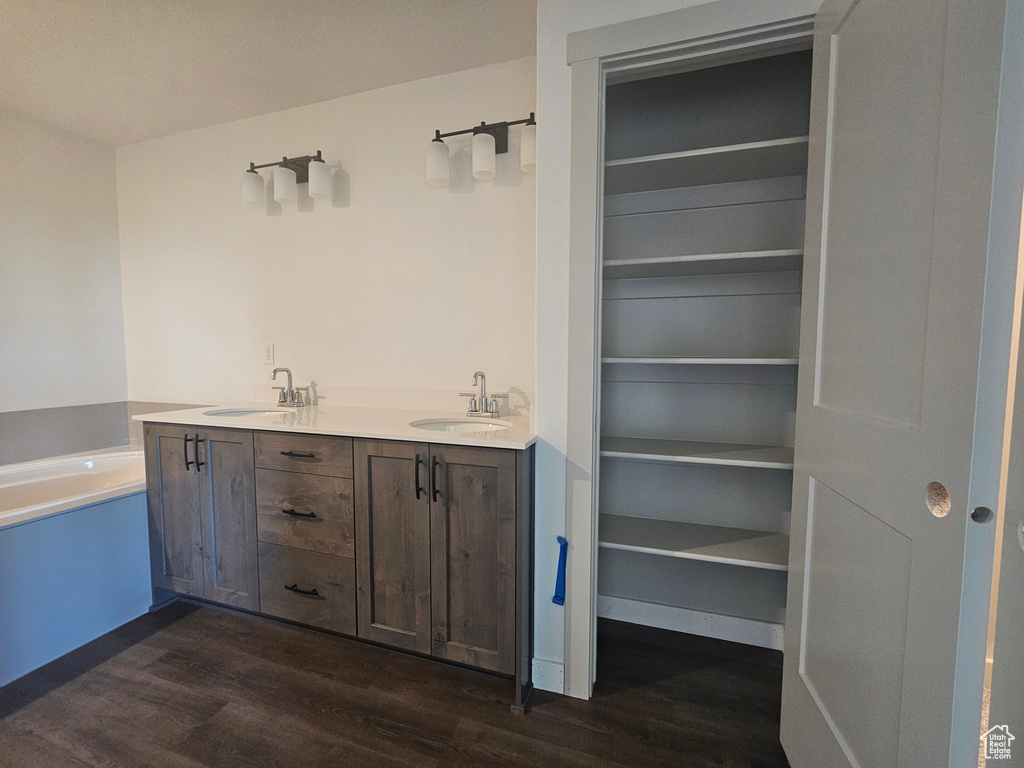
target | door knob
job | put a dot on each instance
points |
(937, 499)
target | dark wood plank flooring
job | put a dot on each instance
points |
(196, 686)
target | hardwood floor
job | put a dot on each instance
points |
(191, 686)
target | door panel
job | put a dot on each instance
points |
(392, 543)
(904, 100)
(861, 693)
(863, 366)
(228, 502)
(176, 552)
(473, 550)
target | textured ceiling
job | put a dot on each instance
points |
(121, 71)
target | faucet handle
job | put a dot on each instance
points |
(494, 402)
(298, 395)
(282, 399)
(472, 401)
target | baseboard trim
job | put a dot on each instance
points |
(549, 675)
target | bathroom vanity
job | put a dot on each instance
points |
(352, 520)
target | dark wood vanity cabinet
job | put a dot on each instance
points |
(436, 550)
(419, 546)
(202, 514)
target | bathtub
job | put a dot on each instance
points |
(45, 487)
(74, 554)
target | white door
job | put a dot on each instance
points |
(904, 109)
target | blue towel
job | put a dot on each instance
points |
(563, 548)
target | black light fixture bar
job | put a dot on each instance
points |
(298, 164)
(498, 130)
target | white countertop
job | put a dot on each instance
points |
(373, 423)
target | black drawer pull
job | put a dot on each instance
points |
(295, 588)
(188, 464)
(293, 513)
(294, 455)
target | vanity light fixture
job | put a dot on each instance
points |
(489, 140)
(288, 172)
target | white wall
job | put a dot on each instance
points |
(555, 20)
(62, 341)
(407, 287)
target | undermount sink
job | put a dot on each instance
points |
(234, 412)
(459, 425)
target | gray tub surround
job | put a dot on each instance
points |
(44, 432)
(413, 529)
(40, 433)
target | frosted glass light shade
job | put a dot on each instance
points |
(528, 149)
(273, 207)
(483, 157)
(284, 186)
(319, 180)
(252, 189)
(437, 164)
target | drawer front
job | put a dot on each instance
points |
(310, 454)
(333, 579)
(305, 511)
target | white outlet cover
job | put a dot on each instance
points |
(267, 354)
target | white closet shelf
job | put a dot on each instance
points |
(705, 264)
(690, 541)
(699, 360)
(708, 165)
(693, 452)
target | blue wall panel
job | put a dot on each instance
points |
(67, 579)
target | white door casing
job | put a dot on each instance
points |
(903, 116)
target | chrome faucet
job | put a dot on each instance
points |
(290, 396)
(482, 407)
(483, 387)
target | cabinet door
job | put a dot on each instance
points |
(227, 499)
(392, 510)
(172, 495)
(473, 553)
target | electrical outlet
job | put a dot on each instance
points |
(267, 354)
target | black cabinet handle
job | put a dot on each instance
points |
(433, 478)
(419, 489)
(293, 513)
(295, 588)
(294, 455)
(196, 446)
(188, 464)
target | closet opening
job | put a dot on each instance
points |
(700, 283)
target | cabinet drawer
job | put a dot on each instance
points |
(333, 578)
(321, 507)
(310, 454)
